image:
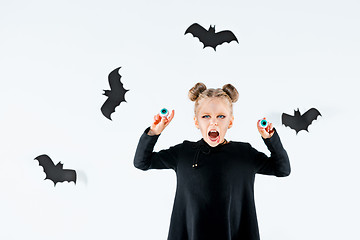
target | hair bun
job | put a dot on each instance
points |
(195, 91)
(231, 91)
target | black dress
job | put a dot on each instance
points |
(215, 185)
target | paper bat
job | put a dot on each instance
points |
(300, 122)
(56, 173)
(209, 37)
(115, 96)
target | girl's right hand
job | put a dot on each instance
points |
(160, 123)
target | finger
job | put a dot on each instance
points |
(261, 130)
(163, 120)
(272, 130)
(171, 116)
(267, 129)
(157, 118)
(257, 124)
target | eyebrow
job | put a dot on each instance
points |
(205, 113)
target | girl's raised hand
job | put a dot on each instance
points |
(266, 132)
(160, 123)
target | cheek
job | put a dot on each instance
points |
(203, 126)
(223, 130)
(225, 125)
(202, 122)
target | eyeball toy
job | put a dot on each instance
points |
(263, 123)
(164, 112)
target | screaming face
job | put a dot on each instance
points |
(214, 118)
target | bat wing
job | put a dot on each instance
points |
(47, 164)
(291, 121)
(225, 36)
(109, 107)
(198, 31)
(117, 88)
(114, 79)
(310, 115)
(54, 172)
(116, 95)
(287, 120)
(67, 175)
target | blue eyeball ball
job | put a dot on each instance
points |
(164, 112)
(263, 123)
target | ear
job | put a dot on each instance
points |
(231, 122)
(196, 122)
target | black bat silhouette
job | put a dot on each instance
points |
(300, 122)
(115, 96)
(209, 37)
(55, 173)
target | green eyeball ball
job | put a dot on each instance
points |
(263, 123)
(164, 112)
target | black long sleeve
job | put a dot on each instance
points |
(278, 163)
(146, 159)
(215, 197)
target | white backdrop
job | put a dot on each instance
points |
(55, 57)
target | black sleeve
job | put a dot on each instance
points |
(145, 158)
(277, 164)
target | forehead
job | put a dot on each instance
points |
(214, 105)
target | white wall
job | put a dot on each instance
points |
(55, 57)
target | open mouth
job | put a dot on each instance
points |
(214, 136)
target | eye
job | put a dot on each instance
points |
(206, 116)
(164, 112)
(221, 116)
(263, 123)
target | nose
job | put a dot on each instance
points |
(214, 123)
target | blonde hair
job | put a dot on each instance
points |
(199, 92)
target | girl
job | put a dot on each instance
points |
(215, 178)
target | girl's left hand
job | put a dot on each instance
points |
(266, 132)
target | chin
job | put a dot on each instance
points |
(213, 142)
